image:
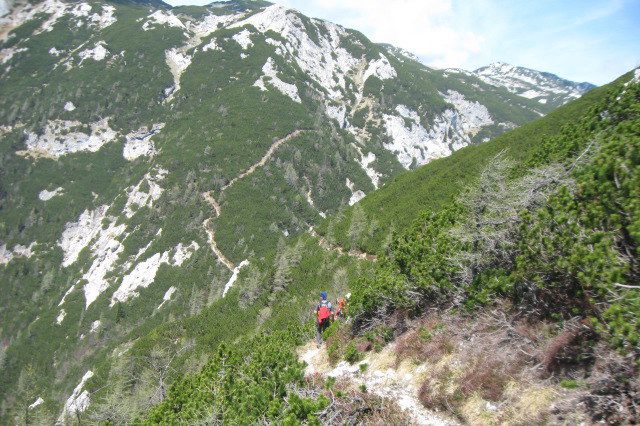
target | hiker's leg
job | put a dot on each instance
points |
(319, 334)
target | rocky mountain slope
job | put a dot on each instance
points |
(548, 290)
(546, 88)
(148, 155)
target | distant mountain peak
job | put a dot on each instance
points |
(545, 87)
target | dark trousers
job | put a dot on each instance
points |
(321, 326)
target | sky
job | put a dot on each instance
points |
(581, 40)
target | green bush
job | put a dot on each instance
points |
(576, 254)
(241, 384)
(569, 383)
(351, 354)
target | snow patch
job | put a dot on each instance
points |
(635, 78)
(55, 52)
(243, 38)
(356, 195)
(98, 53)
(77, 235)
(178, 62)
(144, 273)
(66, 294)
(95, 326)
(380, 68)
(81, 10)
(62, 137)
(7, 255)
(212, 45)
(10, 52)
(79, 400)
(61, 316)
(104, 19)
(408, 113)
(139, 143)
(45, 195)
(531, 93)
(161, 17)
(167, 296)
(37, 402)
(69, 106)
(138, 198)
(234, 276)
(529, 83)
(270, 76)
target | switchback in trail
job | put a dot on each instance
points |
(209, 198)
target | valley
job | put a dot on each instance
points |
(178, 184)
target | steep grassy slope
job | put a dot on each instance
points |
(418, 269)
(401, 200)
(148, 155)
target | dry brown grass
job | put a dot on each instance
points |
(569, 349)
(439, 391)
(614, 389)
(349, 405)
(429, 339)
(487, 376)
(484, 354)
(496, 367)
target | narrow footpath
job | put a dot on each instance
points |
(208, 195)
(327, 246)
(381, 377)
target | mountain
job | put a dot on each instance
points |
(153, 158)
(509, 297)
(546, 88)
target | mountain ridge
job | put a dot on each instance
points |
(116, 119)
(542, 86)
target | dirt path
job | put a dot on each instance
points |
(326, 245)
(212, 202)
(264, 158)
(380, 377)
(214, 246)
(208, 195)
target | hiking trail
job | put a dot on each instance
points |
(214, 246)
(327, 246)
(208, 195)
(381, 378)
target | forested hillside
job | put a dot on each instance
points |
(177, 184)
(537, 253)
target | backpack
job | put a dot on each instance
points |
(323, 313)
(341, 305)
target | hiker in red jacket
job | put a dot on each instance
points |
(324, 311)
